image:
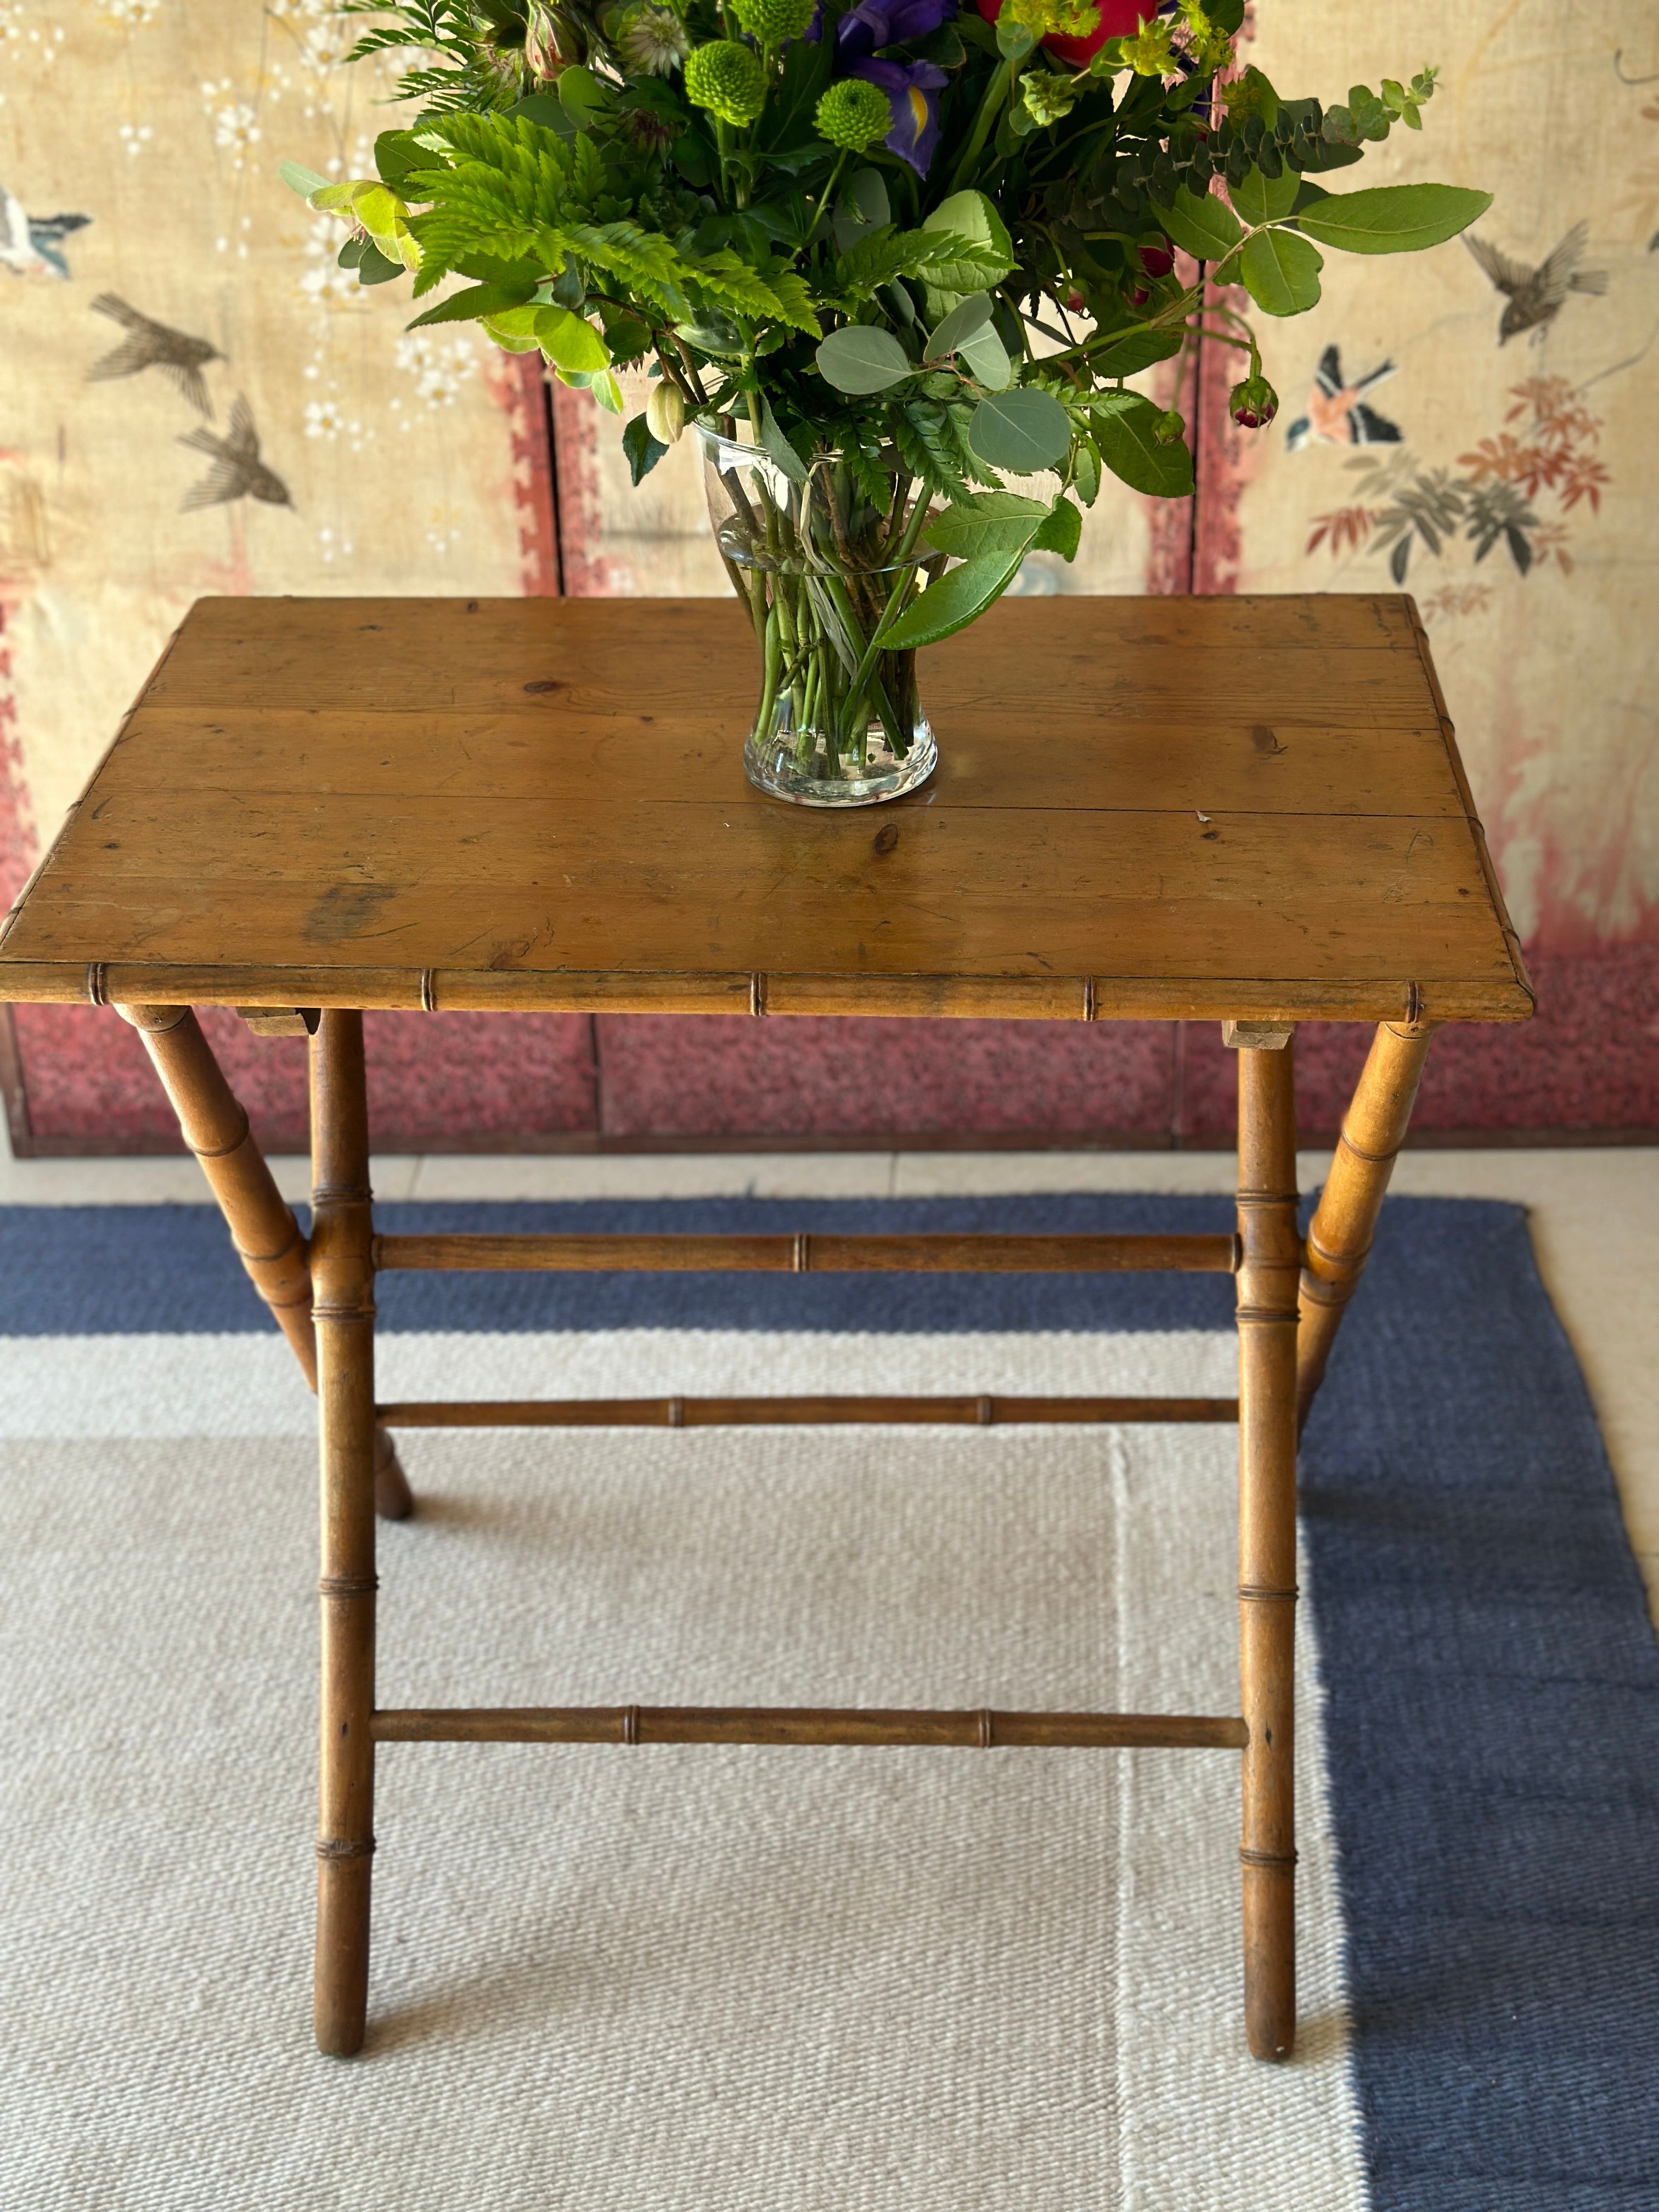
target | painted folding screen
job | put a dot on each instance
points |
(1475, 426)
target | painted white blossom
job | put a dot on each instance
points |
(322, 418)
(237, 125)
(134, 14)
(440, 367)
(135, 136)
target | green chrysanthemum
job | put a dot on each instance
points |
(774, 22)
(853, 115)
(728, 80)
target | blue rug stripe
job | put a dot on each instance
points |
(1492, 1733)
(119, 1271)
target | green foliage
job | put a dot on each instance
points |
(606, 181)
(1395, 218)
(1280, 271)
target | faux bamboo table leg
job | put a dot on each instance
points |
(1340, 1236)
(1271, 1262)
(344, 1275)
(261, 1225)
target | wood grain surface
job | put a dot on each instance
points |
(1174, 807)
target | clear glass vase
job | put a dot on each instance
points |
(818, 567)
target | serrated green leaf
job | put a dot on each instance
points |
(1260, 199)
(986, 524)
(570, 340)
(1087, 480)
(1023, 431)
(1127, 355)
(1060, 531)
(957, 598)
(1204, 225)
(968, 215)
(1280, 270)
(471, 306)
(857, 358)
(1393, 218)
(1127, 440)
(643, 451)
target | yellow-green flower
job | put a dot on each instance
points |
(728, 80)
(853, 115)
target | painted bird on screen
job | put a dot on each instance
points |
(154, 345)
(33, 245)
(237, 471)
(1338, 413)
(1535, 297)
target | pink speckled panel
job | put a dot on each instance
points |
(1588, 1061)
(720, 1075)
(432, 1079)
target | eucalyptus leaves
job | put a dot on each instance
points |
(907, 252)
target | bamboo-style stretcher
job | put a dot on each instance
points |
(304, 784)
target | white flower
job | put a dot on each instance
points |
(322, 418)
(134, 14)
(327, 45)
(135, 136)
(441, 368)
(237, 126)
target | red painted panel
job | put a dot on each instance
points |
(1588, 1061)
(433, 1079)
(720, 1075)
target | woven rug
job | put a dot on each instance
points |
(878, 1981)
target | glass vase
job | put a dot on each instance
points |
(819, 566)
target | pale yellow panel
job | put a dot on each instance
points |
(1551, 675)
(164, 123)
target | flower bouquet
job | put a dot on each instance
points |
(891, 265)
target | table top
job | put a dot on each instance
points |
(1245, 808)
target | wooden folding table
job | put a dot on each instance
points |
(1249, 811)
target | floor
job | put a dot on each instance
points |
(1594, 1224)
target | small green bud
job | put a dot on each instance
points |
(1253, 403)
(1169, 427)
(728, 80)
(853, 115)
(1048, 97)
(665, 413)
(774, 22)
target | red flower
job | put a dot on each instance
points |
(1119, 19)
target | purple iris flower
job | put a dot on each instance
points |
(913, 90)
(874, 23)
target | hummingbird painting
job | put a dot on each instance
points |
(237, 471)
(1535, 296)
(154, 345)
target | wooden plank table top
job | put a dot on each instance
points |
(1245, 808)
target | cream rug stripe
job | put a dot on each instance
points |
(736, 1981)
(237, 1385)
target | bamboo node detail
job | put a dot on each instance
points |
(1257, 1593)
(630, 1724)
(347, 1585)
(331, 1848)
(1252, 1858)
